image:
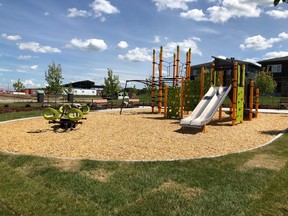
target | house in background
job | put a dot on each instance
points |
(251, 68)
(279, 68)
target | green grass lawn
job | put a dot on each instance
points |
(251, 183)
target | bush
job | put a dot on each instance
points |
(6, 105)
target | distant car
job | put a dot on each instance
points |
(121, 95)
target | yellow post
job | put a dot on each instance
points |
(153, 82)
(182, 98)
(257, 103)
(160, 91)
(165, 100)
(234, 99)
(251, 94)
(186, 64)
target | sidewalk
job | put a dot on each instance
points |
(275, 111)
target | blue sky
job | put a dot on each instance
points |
(88, 36)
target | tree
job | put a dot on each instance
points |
(18, 86)
(111, 84)
(54, 79)
(265, 82)
(276, 2)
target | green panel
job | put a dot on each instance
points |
(191, 94)
(192, 91)
(173, 103)
(240, 104)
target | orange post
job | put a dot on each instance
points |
(251, 99)
(234, 98)
(165, 100)
(182, 98)
(160, 91)
(257, 103)
(153, 82)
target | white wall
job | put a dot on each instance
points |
(85, 92)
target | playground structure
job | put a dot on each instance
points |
(226, 78)
(68, 115)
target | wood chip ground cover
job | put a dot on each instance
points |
(137, 135)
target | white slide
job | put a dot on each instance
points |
(207, 107)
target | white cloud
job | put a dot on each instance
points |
(172, 4)
(73, 12)
(184, 46)
(226, 9)
(24, 57)
(31, 84)
(156, 39)
(122, 45)
(46, 13)
(278, 14)
(25, 68)
(90, 44)
(11, 37)
(34, 67)
(5, 70)
(194, 14)
(137, 54)
(259, 42)
(101, 7)
(276, 54)
(36, 47)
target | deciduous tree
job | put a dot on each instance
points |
(111, 84)
(265, 82)
(18, 86)
(54, 79)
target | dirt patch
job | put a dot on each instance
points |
(68, 165)
(137, 135)
(101, 175)
(184, 191)
(265, 161)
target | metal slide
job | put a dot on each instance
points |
(207, 107)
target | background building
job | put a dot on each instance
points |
(279, 68)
